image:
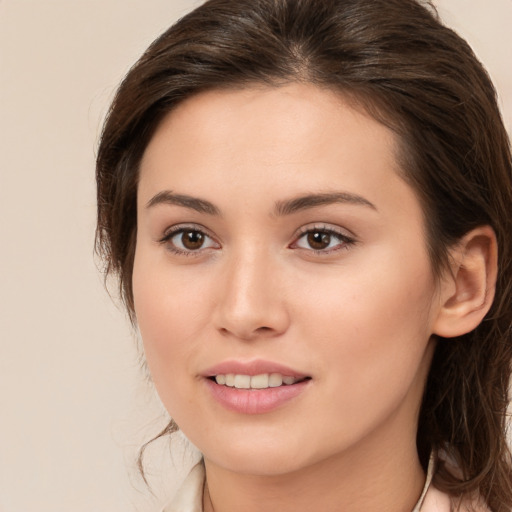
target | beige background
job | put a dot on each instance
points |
(74, 405)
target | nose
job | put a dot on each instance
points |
(252, 299)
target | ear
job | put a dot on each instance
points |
(467, 288)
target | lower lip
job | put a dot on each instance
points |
(255, 401)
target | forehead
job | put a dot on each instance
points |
(308, 133)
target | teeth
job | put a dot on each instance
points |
(275, 380)
(242, 382)
(262, 381)
(289, 380)
(259, 381)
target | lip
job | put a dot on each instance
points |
(254, 401)
(253, 367)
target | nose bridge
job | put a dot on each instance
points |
(251, 302)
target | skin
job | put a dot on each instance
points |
(357, 317)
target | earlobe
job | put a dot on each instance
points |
(467, 290)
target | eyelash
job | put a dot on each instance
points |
(345, 241)
(181, 229)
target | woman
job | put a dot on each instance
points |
(307, 204)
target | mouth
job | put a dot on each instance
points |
(256, 382)
(255, 387)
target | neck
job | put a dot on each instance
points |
(360, 480)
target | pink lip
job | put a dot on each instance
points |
(254, 401)
(254, 367)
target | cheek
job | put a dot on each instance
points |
(371, 326)
(168, 317)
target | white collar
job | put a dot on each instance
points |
(428, 481)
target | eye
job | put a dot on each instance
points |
(186, 240)
(322, 240)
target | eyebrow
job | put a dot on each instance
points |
(193, 203)
(314, 200)
(281, 208)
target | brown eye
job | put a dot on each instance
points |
(318, 240)
(188, 240)
(192, 240)
(323, 240)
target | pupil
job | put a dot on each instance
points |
(319, 240)
(192, 239)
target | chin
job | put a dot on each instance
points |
(263, 457)
(265, 464)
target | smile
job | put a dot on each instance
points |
(262, 381)
(255, 394)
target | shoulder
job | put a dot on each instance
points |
(438, 501)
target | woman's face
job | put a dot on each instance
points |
(276, 240)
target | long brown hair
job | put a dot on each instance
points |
(398, 62)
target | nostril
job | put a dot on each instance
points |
(263, 329)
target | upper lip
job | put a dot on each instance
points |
(253, 367)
